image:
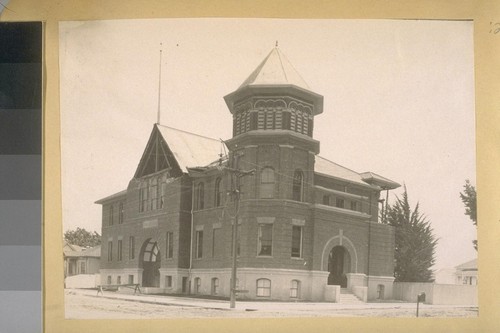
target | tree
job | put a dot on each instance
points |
(82, 237)
(415, 242)
(469, 199)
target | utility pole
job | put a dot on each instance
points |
(235, 192)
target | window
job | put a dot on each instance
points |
(298, 186)
(119, 280)
(253, 120)
(82, 267)
(199, 244)
(215, 286)
(170, 245)
(197, 285)
(326, 200)
(265, 246)
(263, 288)
(199, 196)
(267, 183)
(154, 194)
(109, 279)
(355, 205)
(296, 241)
(111, 215)
(339, 202)
(163, 194)
(130, 279)
(218, 192)
(214, 240)
(143, 197)
(295, 289)
(110, 250)
(310, 127)
(119, 250)
(131, 247)
(168, 281)
(286, 120)
(120, 213)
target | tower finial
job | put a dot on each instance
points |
(276, 44)
(159, 86)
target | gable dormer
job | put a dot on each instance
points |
(157, 157)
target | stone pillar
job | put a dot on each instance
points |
(319, 280)
(332, 293)
(356, 279)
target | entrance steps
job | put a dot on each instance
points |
(347, 297)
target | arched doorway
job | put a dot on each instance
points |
(339, 263)
(150, 261)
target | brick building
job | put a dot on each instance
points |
(304, 222)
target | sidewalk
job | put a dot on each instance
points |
(263, 306)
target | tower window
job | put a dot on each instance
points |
(253, 120)
(296, 241)
(285, 122)
(265, 240)
(298, 186)
(267, 183)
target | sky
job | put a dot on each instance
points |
(398, 101)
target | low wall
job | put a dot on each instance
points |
(444, 294)
(82, 281)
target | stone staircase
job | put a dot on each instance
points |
(347, 297)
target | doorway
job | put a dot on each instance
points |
(339, 263)
(150, 261)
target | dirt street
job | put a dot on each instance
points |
(89, 306)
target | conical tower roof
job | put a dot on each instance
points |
(275, 75)
(275, 69)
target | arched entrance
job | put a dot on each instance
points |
(339, 263)
(150, 261)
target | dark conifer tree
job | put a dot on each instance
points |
(415, 242)
(469, 199)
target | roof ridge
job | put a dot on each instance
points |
(195, 134)
(339, 164)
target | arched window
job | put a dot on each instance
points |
(263, 288)
(218, 192)
(199, 196)
(215, 286)
(295, 289)
(298, 186)
(267, 183)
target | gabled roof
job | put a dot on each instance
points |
(73, 251)
(275, 69)
(467, 266)
(112, 197)
(190, 150)
(332, 169)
